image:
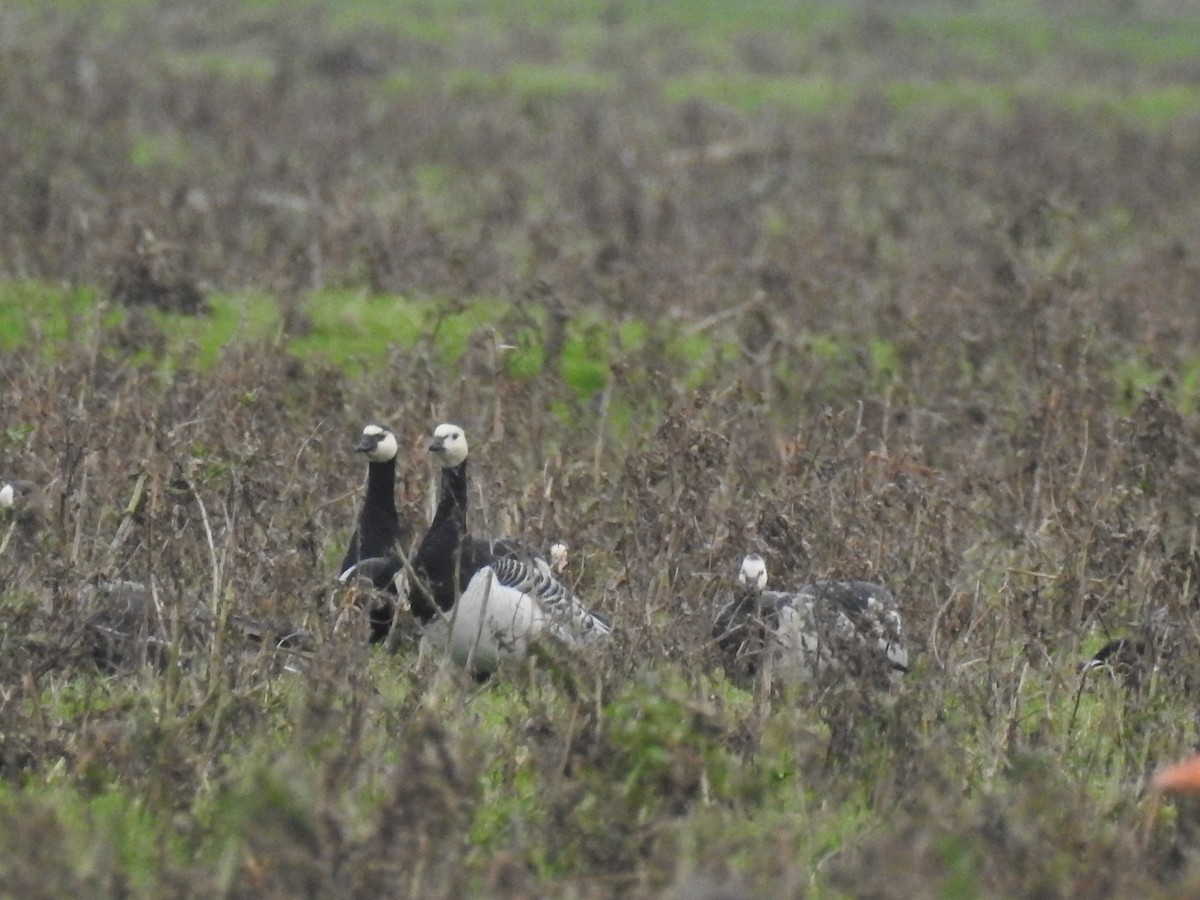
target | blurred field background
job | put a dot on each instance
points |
(903, 291)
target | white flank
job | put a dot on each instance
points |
(506, 606)
(489, 623)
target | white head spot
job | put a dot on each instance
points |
(7, 496)
(384, 446)
(558, 556)
(754, 572)
(386, 449)
(449, 445)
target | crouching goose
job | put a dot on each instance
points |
(851, 626)
(1134, 656)
(21, 509)
(379, 536)
(123, 624)
(19, 496)
(480, 598)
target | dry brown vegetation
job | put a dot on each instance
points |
(948, 349)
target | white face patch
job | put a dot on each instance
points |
(449, 445)
(378, 444)
(7, 496)
(387, 447)
(754, 572)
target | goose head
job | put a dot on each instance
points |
(753, 573)
(449, 445)
(378, 443)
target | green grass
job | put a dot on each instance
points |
(1157, 107)
(658, 739)
(994, 35)
(351, 329)
(1145, 42)
(996, 99)
(991, 44)
(166, 148)
(556, 82)
(811, 95)
(233, 318)
(1180, 385)
(111, 829)
(522, 81)
(356, 331)
(240, 67)
(1151, 106)
(946, 458)
(46, 316)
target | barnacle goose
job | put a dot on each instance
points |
(124, 623)
(379, 536)
(21, 508)
(481, 598)
(826, 625)
(21, 500)
(1134, 656)
(1121, 655)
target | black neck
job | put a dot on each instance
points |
(452, 497)
(381, 486)
(379, 531)
(445, 550)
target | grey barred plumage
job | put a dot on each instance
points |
(21, 500)
(125, 625)
(568, 618)
(822, 626)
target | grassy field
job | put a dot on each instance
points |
(903, 291)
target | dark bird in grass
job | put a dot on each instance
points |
(1133, 657)
(122, 622)
(21, 509)
(21, 498)
(379, 538)
(1119, 653)
(125, 624)
(850, 626)
(486, 600)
